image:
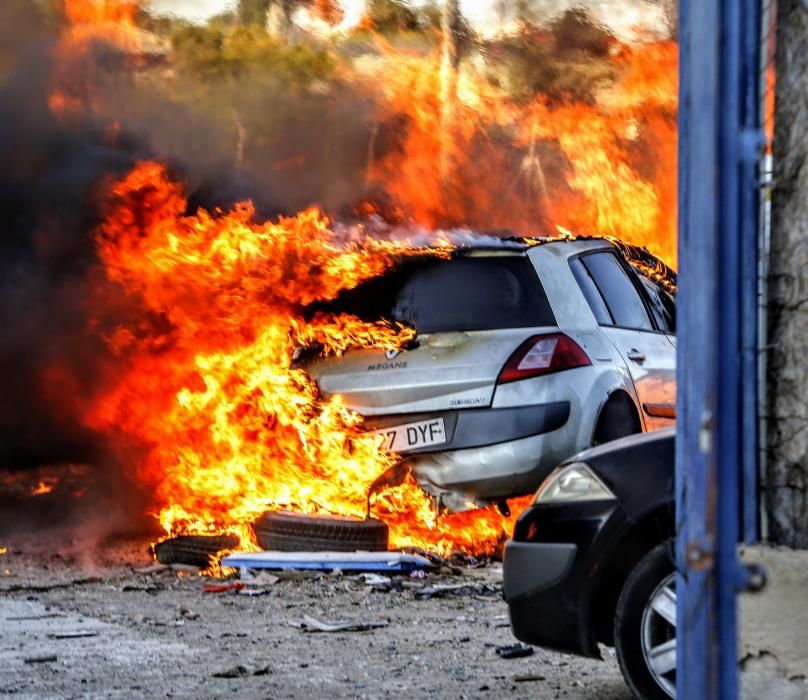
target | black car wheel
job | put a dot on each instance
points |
(645, 626)
(193, 550)
(298, 532)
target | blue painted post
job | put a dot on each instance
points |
(697, 354)
(716, 411)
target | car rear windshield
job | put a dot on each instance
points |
(461, 294)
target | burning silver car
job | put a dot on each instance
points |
(525, 353)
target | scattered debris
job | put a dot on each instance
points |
(292, 575)
(514, 651)
(242, 671)
(259, 579)
(312, 624)
(326, 561)
(189, 614)
(75, 634)
(223, 587)
(152, 569)
(32, 588)
(252, 592)
(528, 678)
(21, 618)
(376, 581)
(439, 590)
(45, 659)
(189, 569)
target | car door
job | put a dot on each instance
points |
(626, 320)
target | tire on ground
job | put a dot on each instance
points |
(652, 569)
(193, 550)
(618, 418)
(298, 532)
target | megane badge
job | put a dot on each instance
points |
(392, 354)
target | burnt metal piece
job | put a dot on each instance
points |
(514, 651)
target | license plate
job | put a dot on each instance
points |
(413, 436)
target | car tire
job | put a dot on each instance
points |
(618, 418)
(193, 550)
(284, 531)
(643, 636)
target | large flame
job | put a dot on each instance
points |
(228, 428)
(618, 175)
(210, 413)
(109, 20)
(88, 23)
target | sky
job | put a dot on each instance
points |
(623, 16)
(476, 10)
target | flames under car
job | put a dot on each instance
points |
(525, 353)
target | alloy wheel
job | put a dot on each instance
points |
(659, 634)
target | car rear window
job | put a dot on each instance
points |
(473, 294)
(460, 294)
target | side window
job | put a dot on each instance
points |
(591, 293)
(663, 307)
(618, 291)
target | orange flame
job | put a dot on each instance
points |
(87, 22)
(44, 486)
(223, 426)
(229, 427)
(101, 11)
(607, 167)
(108, 20)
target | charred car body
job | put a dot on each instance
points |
(526, 352)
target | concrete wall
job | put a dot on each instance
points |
(774, 627)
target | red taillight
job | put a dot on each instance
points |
(543, 354)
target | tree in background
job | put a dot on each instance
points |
(398, 16)
(564, 58)
(253, 12)
(575, 30)
(278, 15)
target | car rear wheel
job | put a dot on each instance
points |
(617, 419)
(645, 626)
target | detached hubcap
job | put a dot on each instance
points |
(659, 634)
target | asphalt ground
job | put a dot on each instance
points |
(77, 620)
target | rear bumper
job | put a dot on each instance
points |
(507, 468)
(490, 453)
(471, 428)
(550, 583)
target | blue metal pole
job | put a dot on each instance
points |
(752, 142)
(697, 353)
(716, 436)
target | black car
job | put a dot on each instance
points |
(592, 560)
